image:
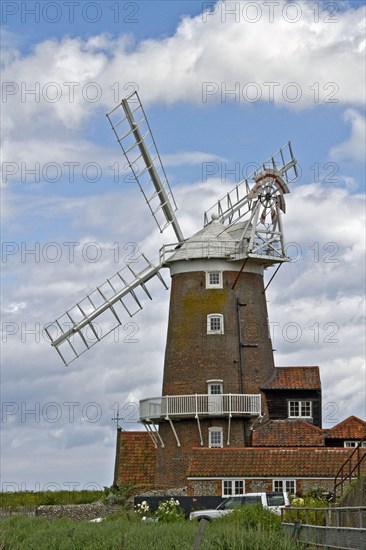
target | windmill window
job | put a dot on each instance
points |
(215, 438)
(215, 388)
(300, 409)
(215, 324)
(214, 279)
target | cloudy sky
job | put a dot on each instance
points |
(224, 86)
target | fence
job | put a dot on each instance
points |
(332, 528)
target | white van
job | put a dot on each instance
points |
(271, 501)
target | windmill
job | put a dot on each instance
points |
(218, 350)
(261, 236)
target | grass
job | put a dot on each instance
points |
(245, 529)
(30, 498)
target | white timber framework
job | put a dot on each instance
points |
(261, 204)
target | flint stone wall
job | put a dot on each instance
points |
(77, 512)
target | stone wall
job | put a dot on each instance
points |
(77, 512)
(205, 487)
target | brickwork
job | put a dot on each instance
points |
(135, 458)
(193, 356)
(172, 461)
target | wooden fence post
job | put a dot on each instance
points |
(200, 533)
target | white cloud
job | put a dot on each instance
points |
(355, 146)
(324, 60)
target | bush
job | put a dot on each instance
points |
(170, 511)
(143, 510)
(312, 516)
(117, 495)
(255, 516)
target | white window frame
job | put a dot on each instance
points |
(221, 323)
(215, 430)
(231, 487)
(214, 285)
(217, 384)
(284, 485)
(301, 403)
(353, 444)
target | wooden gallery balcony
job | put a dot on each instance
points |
(172, 407)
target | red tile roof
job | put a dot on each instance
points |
(350, 428)
(135, 459)
(287, 433)
(294, 378)
(269, 462)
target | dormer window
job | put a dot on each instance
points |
(214, 279)
(300, 409)
(215, 323)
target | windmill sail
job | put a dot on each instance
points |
(134, 135)
(100, 312)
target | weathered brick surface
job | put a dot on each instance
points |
(172, 461)
(135, 458)
(193, 356)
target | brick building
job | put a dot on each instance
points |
(228, 420)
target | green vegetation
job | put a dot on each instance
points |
(251, 529)
(309, 514)
(114, 495)
(253, 517)
(30, 498)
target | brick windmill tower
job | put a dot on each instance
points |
(219, 352)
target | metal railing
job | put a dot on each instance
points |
(200, 404)
(228, 249)
(350, 469)
(340, 528)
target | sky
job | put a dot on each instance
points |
(224, 86)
